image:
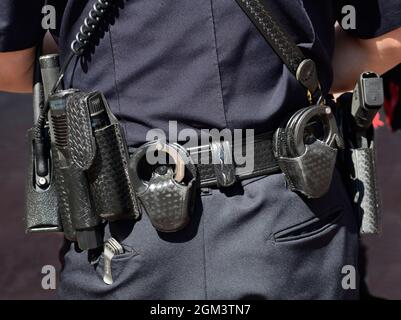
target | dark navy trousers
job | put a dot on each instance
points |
(255, 240)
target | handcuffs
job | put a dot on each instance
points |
(308, 161)
(168, 195)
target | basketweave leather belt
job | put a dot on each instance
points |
(216, 166)
(261, 162)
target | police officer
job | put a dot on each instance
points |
(205, 65)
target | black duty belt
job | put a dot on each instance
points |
(224, 171)
(223, 174)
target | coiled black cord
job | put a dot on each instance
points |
(93, 25)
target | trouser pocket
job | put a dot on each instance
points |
(313, 228)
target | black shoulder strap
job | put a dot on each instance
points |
(304, 69)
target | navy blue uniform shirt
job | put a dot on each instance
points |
(201, 63)
(205, 65)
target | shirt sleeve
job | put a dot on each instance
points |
(373, 17)
(20, 24)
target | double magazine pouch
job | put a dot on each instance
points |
(98, 149)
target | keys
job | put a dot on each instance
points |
(111, 248)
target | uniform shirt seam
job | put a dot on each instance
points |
(218, 64)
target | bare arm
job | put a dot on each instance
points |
(16, 68)
(352, 56)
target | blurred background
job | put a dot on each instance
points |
(23, 256)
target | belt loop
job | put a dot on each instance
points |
(223, 163)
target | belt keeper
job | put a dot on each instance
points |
(223, 164)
